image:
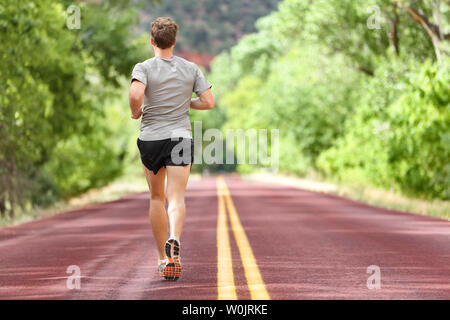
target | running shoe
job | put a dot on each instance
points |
(172, 270)
(162, 264)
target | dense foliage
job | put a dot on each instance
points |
(56, 126)
(209, 26)
(359, 90)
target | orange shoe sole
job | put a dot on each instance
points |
(172, 271)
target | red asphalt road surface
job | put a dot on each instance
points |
(307, 246)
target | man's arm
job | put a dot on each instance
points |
(204, 102)
(136, 96)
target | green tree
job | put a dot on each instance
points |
(346, 92)
(54, 85)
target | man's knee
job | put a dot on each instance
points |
(157, 196)
(176, 201)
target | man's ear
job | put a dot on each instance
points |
(152, 41)
(175, 42)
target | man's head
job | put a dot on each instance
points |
(164, 32)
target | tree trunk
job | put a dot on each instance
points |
(432, 30)
(366, 71)
(2, 206)
(12, 190)
(393, 35)
(437, 17)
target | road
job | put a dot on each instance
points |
(241, 240)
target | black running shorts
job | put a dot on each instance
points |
(167, 152)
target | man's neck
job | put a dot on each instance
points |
(163, 53)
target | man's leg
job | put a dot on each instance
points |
(158, 217)
(177, 178)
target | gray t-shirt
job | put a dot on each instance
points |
(167, 100)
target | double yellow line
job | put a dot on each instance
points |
(225, 277)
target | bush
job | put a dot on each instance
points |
(400, 137)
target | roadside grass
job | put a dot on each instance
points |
(376, 197)
(132, 181)
(125, 185)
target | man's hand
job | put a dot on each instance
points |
(136, 116)
(204, 102)
(136, 96)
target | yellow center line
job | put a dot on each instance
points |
(257, 288)
(225, 277)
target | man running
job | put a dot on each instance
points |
(163, 85)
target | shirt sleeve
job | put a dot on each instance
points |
(139, 74)
(200, 84)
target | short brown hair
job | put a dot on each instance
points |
(164, 32)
